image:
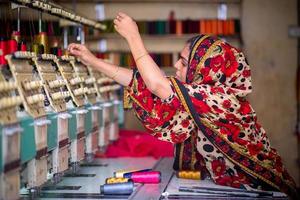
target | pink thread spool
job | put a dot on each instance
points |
(144, 177)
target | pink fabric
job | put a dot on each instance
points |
(134, 143)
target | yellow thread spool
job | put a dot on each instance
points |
(195, 175)
(35, 48)
(119, 174)
(42, 39)
(116, 180)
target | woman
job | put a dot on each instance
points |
(202, 110)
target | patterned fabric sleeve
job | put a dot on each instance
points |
(164, 119)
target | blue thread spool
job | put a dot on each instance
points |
(117, 188)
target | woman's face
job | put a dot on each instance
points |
(182, 64)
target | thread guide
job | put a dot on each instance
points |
(9, 101)
(56, 94)
(28, 81)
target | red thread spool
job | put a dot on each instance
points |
(23, 46)
(144, 177)
(56, 51)
(59, 52)
(3, 51)
(12, 46)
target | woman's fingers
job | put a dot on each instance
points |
(75, 52)
(70, 46)
(119, 18)
(116, 27)
(79, 47)
(116, 22)
(122, 15)
(75, 49)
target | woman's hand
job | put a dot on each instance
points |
(126, 26)
(81, 52)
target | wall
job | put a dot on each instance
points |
(273, 58)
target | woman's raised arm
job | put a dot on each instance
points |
(155, 81)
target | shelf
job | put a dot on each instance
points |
(154, 43)
(157, 37)
(155, 1)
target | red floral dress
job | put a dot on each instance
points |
(211, 104)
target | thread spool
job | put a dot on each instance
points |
(90, 80)
(59, 52)
(56, 95)
(8, 102)
(65, 52)
(79, 91)
(32, 85)
(76, 80)
(144, 177)
(117, 188)
(65, 94)
(54, 50)
(42, 39)
(92, 91)
(57, 83)
(37, 48)
(12, 46)
(119, 174)
(24, 54)
(195, 175)
(22, 46)
(117, 180)
(16, 35)
(6, 86)
(35, 98)
(3, 51)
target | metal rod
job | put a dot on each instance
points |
(65, 37)
(78, 33)
(40, 21)
(19, 20)
(82, 36)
